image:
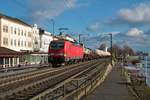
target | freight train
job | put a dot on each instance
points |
(62, 52)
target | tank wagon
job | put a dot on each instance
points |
(89, 54)
(102, 53)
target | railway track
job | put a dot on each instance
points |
(21, 76)
(6, 84)
(28, 86)
(10, 78)
(86, 74)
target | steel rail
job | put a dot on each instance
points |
(41, 95)
(91, 76)
(64, 69)
(20, 77)
(41, 85)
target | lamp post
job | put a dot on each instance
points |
(111, 47)
(62, 29)
(80, 38)
(53, 22)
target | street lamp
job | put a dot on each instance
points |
(80, 37)
(111, 46)
(62, 29)
(53, 22)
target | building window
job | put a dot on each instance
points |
(15, 31)
(22, 43)
(11, 30)
(5, 28)
(22, 33)
(18, 31)
(11, 42)
(25, 43)
(29, 44)
(25, 33)
(29, 34)
(18, 43)
(15, 42)
(5, 41)
(36, 32)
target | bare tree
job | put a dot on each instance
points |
(118, 51)
(127, 50)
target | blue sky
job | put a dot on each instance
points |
(127, 20)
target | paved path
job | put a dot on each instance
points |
(111, 89)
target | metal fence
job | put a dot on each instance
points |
(146, 69)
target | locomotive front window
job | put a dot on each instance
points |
(57, 45)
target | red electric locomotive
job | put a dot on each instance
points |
(63, 51)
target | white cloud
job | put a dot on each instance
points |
(134, 32)
(138, 14)
(94, 27)
(48, 9)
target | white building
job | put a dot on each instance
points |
(15, 34)
(41, 41)
(36, 38)
(32, 57)
(45, 39)
(29, 42)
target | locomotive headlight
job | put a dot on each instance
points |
(65, 55)
(62, 54)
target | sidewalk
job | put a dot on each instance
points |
(112, 89)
